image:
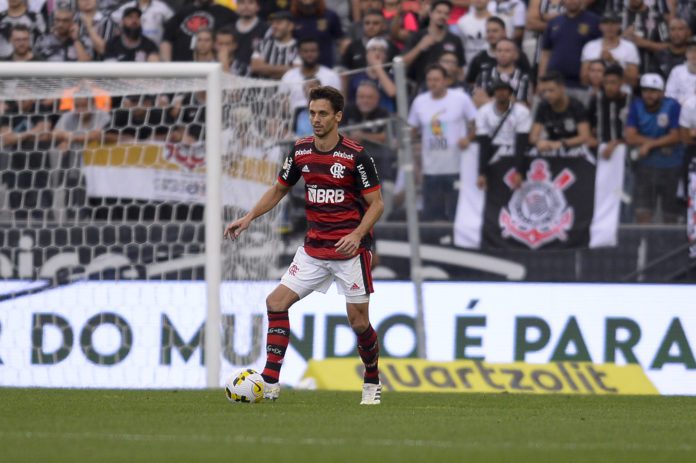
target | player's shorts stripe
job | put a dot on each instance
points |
(366, 272)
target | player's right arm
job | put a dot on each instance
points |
(288, 176)
(268, 201)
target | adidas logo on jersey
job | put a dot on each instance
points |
(323, 196)
(305, 168)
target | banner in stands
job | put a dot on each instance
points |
(176, 172)
(416, 375)
(552, 209)
(149, 334)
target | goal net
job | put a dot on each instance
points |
(111, 237)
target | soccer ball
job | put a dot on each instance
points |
(245, 386)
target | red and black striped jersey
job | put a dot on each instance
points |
(335, 182)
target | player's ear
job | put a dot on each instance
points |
(339, 116)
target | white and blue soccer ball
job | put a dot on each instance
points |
(245, 386)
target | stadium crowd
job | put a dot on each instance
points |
(608, 75)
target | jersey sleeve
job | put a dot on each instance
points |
(289, 173)
(366, 173)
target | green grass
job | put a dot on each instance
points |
(47, 425)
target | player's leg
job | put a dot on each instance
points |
(305, 274)
(354, 280)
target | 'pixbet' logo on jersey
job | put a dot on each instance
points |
(303, 152)
(337, 170)
(538, 212)
(324, 196)
(341, 154)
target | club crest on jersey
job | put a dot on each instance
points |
(337, 170)
(538, 212)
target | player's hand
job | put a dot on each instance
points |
(644, 149)
(426, 42)
(233, 230)
(349, 244)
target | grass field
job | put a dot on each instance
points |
(198, 426)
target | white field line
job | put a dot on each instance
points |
(338, 441)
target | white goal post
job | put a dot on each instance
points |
(212, 73)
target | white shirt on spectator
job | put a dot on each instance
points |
(442, 122)
(153, 19)
(624, 53)
(687, 116)
(293, 82)
(512, 12)
(472, 31)
(681, 84)
(518, 121)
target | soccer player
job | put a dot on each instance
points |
(343, 202)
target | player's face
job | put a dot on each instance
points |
(436, 82)
(367, 98)
(21, 42)
(596, 74)
(281, 29)
(505, 53)
(610, 29)
(652, 97)
(439, 16)
(204, 42)
(551, 92)
(309, 53)
(502, 96)
(373, 25)
(323, 118)
(225, 41)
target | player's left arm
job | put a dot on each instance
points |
(368, 183)
(349, 244)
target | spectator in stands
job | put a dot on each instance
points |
(268, 7)
(455, 73)
(445, 119)
(563, 41)
(472, 29)
(21, 126)
(495, 32)
(64, 43)
(155, 14)
(180, 31)
(302, 125)
(506, 70)
(681, 83)
(502, 130)
(595, 76)
(611, 49)
(20, 39)
(226, 49)
(249, 31)
(96, 26)
(607, 113)
(675, 52)
(652, 131)
(426, 45)
(276, 54)
(18, 13)
(356, 30)
(367, 109)
(83, 124)
(374, 25)
(131, 44)
(539, 13)
(204, 51)
(313, 19)
(685, 9)
(687, 124)
(377, 50)
(562, 119)
(310, 68)
(402, 22)
(514, 14)
(645, 26)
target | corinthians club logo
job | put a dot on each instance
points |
(538, 212)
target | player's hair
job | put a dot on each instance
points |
(328, 93)
(436, 3)
(437, 67)
(553, 76)
(496, 20)
(308, 39)
(614, 70)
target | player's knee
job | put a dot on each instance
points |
(359, 323)
(276, 304)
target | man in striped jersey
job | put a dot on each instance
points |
(277, 53)
(343, 202)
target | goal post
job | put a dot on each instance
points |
(229, 102)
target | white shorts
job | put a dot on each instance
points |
(353, 276)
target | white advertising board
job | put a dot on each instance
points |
(148, 334)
